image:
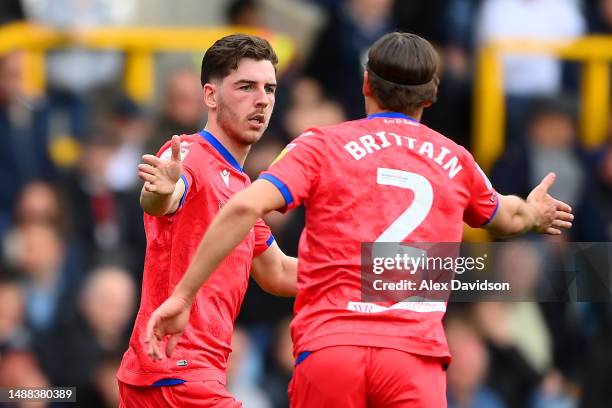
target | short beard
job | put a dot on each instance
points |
(227, 120)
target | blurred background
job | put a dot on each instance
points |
(88, 86)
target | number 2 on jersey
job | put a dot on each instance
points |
(414, 215)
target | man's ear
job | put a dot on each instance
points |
(366, 88)
(427, 104)
(210, 95)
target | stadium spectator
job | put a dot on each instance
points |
(244, 370)
(129, 131)
(97, 333)
(111, 222)
(19, 367)
(596, 390)
(551, 145)
(41, 202)
(511, 375)
(24, 152)
(39, 252)
(244, 13)
(599, 16)
(469, 368)
(14, 335)
(309, 107)
(282, 364)
(603, 195)
(183, 111)
(338, 56)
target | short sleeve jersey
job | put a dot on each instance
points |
(385, 178)
(211, 175)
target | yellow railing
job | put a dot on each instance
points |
(594, 52)
(139, 44)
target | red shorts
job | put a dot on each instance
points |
(359, 377)
(188, 394)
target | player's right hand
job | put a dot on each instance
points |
(160, 176)
(167, 322)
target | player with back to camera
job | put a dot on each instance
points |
(384, 178)
(185, 185)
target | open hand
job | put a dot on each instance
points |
(160, 176)
(552, 215)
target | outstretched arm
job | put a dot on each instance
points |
(275, 272)
(540, 213)
(227, 230)
(163, 187)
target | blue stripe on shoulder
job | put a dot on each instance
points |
(280, 185)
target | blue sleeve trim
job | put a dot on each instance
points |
(302, 356)
(270, 240)
(184, 192)
(167, 382)
(280, 185)
(494, 212)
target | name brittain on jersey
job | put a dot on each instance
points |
(367, 144)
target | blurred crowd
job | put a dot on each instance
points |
(71, 229)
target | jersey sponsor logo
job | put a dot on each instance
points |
(168, 152)
(282, 154)
(225, 175)
(417, 305)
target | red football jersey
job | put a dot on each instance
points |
(386, 178)
(212, 176)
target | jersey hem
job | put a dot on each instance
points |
(414, 346)
(144, 379)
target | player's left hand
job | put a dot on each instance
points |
(552, 215)
(167, 321)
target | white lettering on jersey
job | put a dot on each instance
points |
(367, 144)
(355, 150)
(442, 155)
(426, 149)
(225, 176)
(385, 142)
(453, 167)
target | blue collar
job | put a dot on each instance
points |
(391, 115)
(220, 148)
